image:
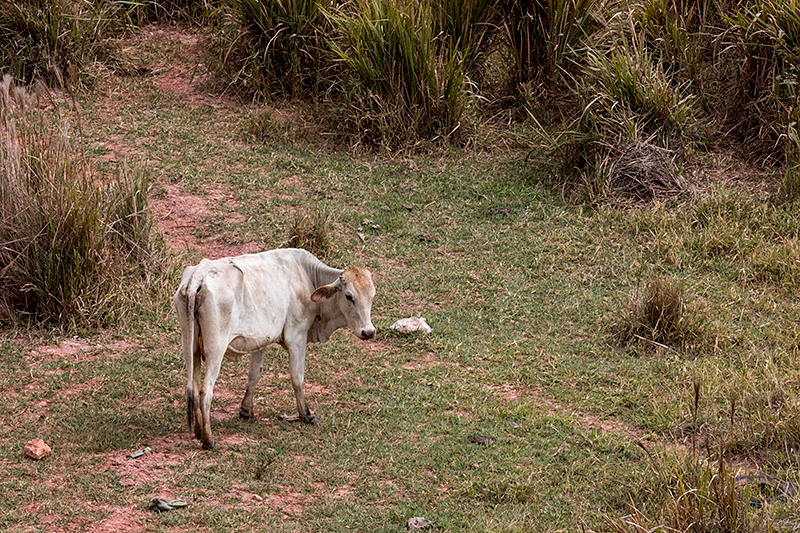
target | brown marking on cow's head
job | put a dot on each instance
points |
(353, 293)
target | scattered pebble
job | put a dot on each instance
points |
(37, 449)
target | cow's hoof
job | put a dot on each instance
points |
(247, 414)
(310, 420)
(210, 445)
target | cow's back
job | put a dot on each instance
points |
(250, 299)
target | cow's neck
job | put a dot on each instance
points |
(328, 319)
(321, 274)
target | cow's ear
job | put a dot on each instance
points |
(325, 293)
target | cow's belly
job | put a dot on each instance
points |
(242, 345)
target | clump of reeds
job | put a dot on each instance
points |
(543, 37)
(410, 80)
(277, 48)
(68, 244)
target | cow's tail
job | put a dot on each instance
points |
(189, 340)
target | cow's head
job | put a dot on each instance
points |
(353, 293)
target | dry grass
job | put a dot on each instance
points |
(659, 316)
(65, 239)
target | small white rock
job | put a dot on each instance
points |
(417, 523)
(407, 325)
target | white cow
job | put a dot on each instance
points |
(239, 305)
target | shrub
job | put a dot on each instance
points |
(410, 84)
(542, 34)
(66, 243)
(278, 47)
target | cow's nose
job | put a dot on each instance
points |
(367, 333)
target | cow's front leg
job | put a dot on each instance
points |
(253, 375)
(297, 368)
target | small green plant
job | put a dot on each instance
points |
(261, 127)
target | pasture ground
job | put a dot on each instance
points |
(522, 291)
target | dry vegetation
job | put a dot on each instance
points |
(628, 354)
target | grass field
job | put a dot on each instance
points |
(526, 295)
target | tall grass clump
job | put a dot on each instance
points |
(543, 34)
(311, 231)
(696, 489)
(277, 48)
(767, 102)
(469, 27)
(42, 40)
(635, 121)
(659, 316)
(68, 246)
(693, 494)
(189, 11)
(410, 84)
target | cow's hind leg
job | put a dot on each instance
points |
(253, 376)
(196, 405)
(297, 366)
(214, 355)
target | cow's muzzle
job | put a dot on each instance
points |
(367, 333)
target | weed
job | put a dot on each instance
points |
(658, 315)
(311, 231)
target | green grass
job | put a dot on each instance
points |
(523, 292)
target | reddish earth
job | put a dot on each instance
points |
(178, 214)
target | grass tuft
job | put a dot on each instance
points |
(658, 315)
(311, 231)
(65, 240)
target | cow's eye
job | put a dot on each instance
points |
(349, 298)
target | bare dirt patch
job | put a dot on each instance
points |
(288, 501)
(589, 420)
(427, 361)
(129, 519)
(506, 391)
(150, 468)
(76, 348)
(185, 76)
(178, 214)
